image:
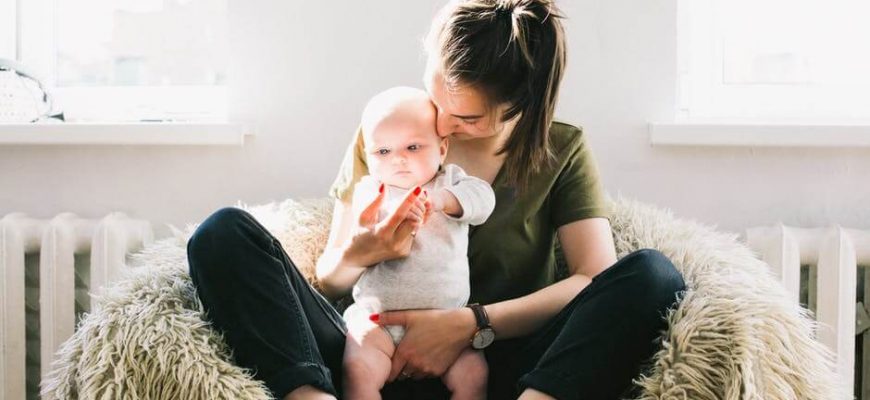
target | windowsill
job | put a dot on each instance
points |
(120, 133)
(753, 134)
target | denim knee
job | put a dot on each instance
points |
(218, 233)
(659, 281)
(220, 228)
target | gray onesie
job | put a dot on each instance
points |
(435, 274)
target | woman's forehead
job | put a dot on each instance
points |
(462, 101)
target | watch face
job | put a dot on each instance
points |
(483, 338)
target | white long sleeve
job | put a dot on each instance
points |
(474, 194)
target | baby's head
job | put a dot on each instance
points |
(401, 144)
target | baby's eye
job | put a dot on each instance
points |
(383, 152)
(414, 147)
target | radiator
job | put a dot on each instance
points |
(47, 269)
(821, 267)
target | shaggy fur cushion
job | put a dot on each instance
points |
(734, 336)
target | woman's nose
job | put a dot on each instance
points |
(445, 125)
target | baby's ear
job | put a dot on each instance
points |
(444, 145)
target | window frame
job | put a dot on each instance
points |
(8, 29)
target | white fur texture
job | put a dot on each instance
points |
(734, 336)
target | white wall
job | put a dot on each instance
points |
(303, 70)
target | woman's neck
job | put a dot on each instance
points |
(487, 147)
(479, 157)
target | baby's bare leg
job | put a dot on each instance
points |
(367, 361)
(467, 377)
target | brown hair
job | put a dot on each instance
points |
(514, 51)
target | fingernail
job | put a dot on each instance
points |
(381, 189)
(417, 190)
(374, 317)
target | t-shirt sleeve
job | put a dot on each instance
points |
(353, 168)
(577, 193)
(474, 195)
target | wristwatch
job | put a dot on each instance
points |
(485, 335)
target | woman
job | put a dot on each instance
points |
(493, 74)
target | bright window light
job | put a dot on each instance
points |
(778, 60)
(131, 60)
(141, 42)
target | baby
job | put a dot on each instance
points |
(403, 151)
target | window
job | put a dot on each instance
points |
(127, 60)
(774, 60)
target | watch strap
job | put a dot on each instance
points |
(480, 315)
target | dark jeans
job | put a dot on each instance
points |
(289, 335)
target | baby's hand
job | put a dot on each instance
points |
(419, 211)
(427, 206)
(435, 202)
(444, 201)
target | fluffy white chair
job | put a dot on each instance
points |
(734, 336)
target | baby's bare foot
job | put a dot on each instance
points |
(307, 392)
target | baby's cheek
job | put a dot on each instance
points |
(422, 171)
(376, 170)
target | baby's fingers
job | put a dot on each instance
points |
(417, 214)
(402, 212)
(419, 208)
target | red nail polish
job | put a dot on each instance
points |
(374, 317)
(381, 189)
(417, 191)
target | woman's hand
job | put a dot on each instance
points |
(433, 340)
(358, 241)
(374, 241)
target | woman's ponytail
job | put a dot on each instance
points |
(514, 51)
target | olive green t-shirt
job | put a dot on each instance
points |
(512, 253)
